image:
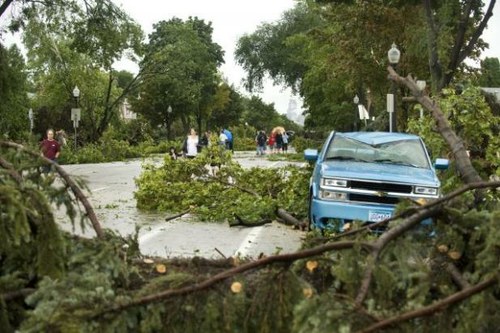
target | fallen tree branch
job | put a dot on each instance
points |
(408, 212)
(426, 211)
(9, 296)
(173, 217)
(457, 276)
(64, 175)
(464, 165)
(12, 172)
(288, 218)
(433, 308)
(224, 182)
(241, 222)
(265, 261)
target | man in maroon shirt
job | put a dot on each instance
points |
(50, 148)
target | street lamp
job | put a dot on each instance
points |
(75, 112)
(356, 101)
(393, 55)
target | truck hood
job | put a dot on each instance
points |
(379, 172)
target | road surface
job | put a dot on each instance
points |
(111, 187)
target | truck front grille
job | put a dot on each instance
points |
(373, 198)
(381, 187)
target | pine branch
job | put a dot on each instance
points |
(11, 295)
(422, 213)
(11, 171)
(64, 175)
(434, 308)
(408, 212)
(283, 258)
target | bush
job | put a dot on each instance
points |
(301, 143)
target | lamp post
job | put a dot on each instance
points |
(393, 55)
(169, 112)
(356, 101)
(75, 113)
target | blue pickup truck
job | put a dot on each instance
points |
(361, 176)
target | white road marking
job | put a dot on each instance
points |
(247, 243)
(100, 189)
(155, 231)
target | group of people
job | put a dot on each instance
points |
(193, 144)
(277, 141)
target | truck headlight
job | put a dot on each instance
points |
(332, 195)
(426, 190)
(333, 182)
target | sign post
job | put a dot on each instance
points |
(390, 109)
(75, 117)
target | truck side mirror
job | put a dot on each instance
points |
(441, 164)
(311, 155)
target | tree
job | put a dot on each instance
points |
(490, 73)
(13, 94)
(184, 60)
(91, 36)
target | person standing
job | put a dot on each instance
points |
(284, 138)
(223, 139)
(279, 141)
(272, 142)
(50, 149)
(229, 142)
(261, 140)
(191, 144)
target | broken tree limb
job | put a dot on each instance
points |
(205, 284)
(241, 222)
(434, 308)
(64, 175)
(173, 217)
(288, 219)
(464, 165)
(426, 211)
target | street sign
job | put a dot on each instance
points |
(390, 103)
(75, 116)
(363, 112)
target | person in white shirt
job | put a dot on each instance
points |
(222, 138)
(191, 144)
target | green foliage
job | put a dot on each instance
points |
(490, 73)
(300, 144)
(251, 194)
(473, 121)
(13, 94)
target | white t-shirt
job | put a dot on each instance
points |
(222, 138)
(192, 142)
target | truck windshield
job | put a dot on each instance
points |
(403, 152)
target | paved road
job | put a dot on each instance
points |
(111, 187)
